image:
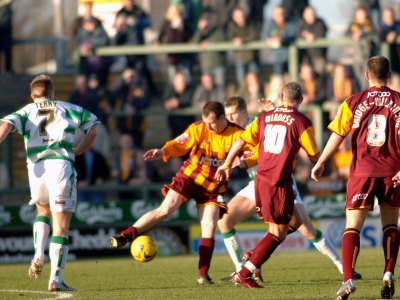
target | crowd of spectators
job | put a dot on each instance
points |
(191, 80)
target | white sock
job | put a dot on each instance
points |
(233, 246)
(58, 253)
(325, 246)
(41, 231)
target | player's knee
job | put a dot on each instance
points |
(164, 212)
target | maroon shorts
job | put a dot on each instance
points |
(361, 192)
(186, 186)
(274, 203)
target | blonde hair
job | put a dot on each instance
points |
(41, 86)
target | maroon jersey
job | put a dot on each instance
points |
(280, 133)
(373, 119)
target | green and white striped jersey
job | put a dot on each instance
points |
(48, 128)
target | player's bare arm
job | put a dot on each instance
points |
(396, 179)
(154, 154)
(224, 170)
(86, 142)
(331, 146)
(5, 129)
(267, 104)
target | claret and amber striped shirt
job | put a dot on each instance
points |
(207, 150)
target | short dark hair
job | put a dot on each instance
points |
(292, 92)
(236, 100)
(42, 86)
(213, 107)
(378, 67)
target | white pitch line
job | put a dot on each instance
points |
(59, 295)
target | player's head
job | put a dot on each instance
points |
(42, 87)
(291, 93)
(213, 115)
(236, 110)
(378, 69)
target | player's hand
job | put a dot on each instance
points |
(238, 163)
(223, 172)
(396, 179)
(266, 103)
(316, 171)
(154, 154)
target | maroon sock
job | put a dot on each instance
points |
(391, 241)
(262, 252)
(130, 233)
(206, 250)
(350, 250)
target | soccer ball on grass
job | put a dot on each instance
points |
(144, 248)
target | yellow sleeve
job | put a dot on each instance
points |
(251, 160)
(250, 135)
(307, 141)
(183, 143)
(343, 120)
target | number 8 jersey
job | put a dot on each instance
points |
(373, 118)
(280, 134)
(48, 128)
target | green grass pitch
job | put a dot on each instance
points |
(297, 275)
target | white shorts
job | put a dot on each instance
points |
(249, 192)
(53, 182)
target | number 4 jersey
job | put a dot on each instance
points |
(373, 118)
(280, 134)
(48, 128)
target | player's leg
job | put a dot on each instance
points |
(320, 241)
(61, 179)
(208, 216)
(260, 254)
(41, 231)
(41, 225)
(240, 207)
(170, 204)
(391, 242)
(58, 250)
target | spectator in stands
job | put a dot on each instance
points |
(313, 85)
(364, 36)
(278, 33)
(207, 91)
(273, 87)
(92, 170)
(130, 94)
(77, 25)
(6, 39)
(88, 39)
(178, 95)
(341, 84)
(88, 94)
(129, 167)
(240, 31)
(373, 8)
(310, 28)
(174, 30)
(130, 22)
(191, 11)
(210, 62)
(251, 90)
(389, 31)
